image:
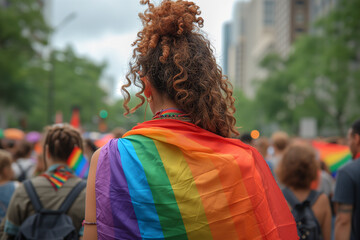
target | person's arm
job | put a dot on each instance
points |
(90, 231)
(343, 221)
(344, 199)
(326, 219)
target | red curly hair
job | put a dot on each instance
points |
(179, 62)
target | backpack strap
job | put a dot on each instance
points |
(290, 197)
(72, 196)
(313, 196)
(29, 187)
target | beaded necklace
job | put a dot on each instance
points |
(172, 113)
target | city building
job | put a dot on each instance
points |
(260, 27)
(225, 48)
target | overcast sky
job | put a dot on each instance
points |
(104, 30)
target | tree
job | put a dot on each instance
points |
(76, 84)
(321, 76)
(22, 33)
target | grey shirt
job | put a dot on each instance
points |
(347, 191)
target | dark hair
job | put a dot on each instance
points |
(246, 138)
(355, 128)
(298, 167)
(91, 144)
(24, 149)
(61, 140)
(280, 140)
(179, 62)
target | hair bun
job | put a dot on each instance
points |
(170, 18)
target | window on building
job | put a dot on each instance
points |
(300, 30)
(299, 18)
(299, 2)
(269, 12)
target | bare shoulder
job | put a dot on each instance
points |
(322, 204)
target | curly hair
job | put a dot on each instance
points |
(61, 140)
(298, 167)
(178, 60)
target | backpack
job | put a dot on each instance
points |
(49, 224)
(307, 225)
(23, 172)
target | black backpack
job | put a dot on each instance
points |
(307, 225)
(23, 172)
(49, 224)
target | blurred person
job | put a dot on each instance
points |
(347, 191)
(327, 183)
(52, 187)
(297, 169)
(279, 142)
(7, 186)
(262, 145)
(247, 139)
(179, 175)
(89, 148)
(23, 166)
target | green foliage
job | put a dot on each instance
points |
(320, 78)
(22, 31)
(76, 84)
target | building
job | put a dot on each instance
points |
(252, 38)
(236, 50)
(260, 27)
(292, 18)
(225, 48)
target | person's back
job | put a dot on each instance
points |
(21, 207)
(191, 188)
(296, 171)
(347, 191)
(180, 176)
(52, 187)
(23, 166)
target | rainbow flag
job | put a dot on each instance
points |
(334, 155)
(168, 179)
(78, 163)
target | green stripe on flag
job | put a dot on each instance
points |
(337, 165)
(161, 189)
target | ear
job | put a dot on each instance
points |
(147, 90)
(357, 139)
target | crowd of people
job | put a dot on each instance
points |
(182, 175)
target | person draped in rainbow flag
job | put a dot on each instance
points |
(179, 175)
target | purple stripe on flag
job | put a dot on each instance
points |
(105, 224)
(124, 221)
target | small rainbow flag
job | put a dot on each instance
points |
(78, 163)
(334, 155)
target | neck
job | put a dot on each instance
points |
(163, 105)
(52, 162)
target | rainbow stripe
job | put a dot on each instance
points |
(78, 163)
(334, 155)
(169, 179)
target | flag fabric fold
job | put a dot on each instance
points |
(168, 179)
